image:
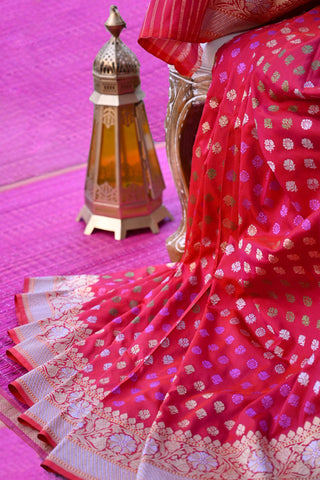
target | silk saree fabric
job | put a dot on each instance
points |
(174, 29)
(209, 368)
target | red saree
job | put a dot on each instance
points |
(207, 369)
(173, 30)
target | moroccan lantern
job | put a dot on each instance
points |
(124, 184)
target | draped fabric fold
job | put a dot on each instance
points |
(207, 369)
(173, 30)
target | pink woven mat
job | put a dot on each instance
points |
(18, 461)
(39, 236)
(46, 80)
(46, 117)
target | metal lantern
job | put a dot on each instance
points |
(124, 184)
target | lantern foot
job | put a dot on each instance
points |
(119, 226)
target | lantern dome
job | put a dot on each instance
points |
(115, 68)
(115, 58)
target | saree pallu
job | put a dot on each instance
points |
(209, 368)
(173, 30)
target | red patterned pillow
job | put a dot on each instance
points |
(173, 29)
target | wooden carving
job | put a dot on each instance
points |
(186, 100)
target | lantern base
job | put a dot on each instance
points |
(120, 226)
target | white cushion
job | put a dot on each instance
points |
(210, 49)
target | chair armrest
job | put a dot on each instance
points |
(186, 100)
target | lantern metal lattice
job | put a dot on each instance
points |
(124, 183)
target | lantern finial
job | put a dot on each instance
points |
(115, 24)
(124, 184)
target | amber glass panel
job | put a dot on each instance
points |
(93, 147)
(89, 185)
(132, 175)
(107, 163)
(154, 170)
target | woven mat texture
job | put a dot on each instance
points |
(18, 461)
(39, 237)
(47, 50)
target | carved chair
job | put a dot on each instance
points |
(186, 101)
